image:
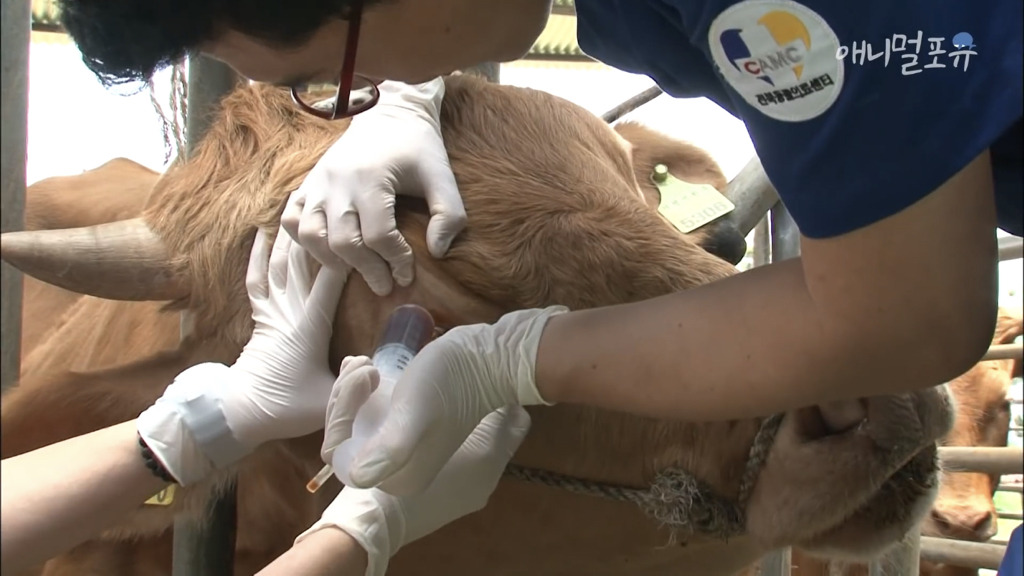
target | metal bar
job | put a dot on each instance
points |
(560, 58)
(903, 560)
(753, 194)
(207, 548)
(1010, 488)
(51, 28)
(783, 231)
(762, 242)
(1011, 516)
(1005, 352)
(16, 20)
(959, 553)
(208, 81)
(785, 234)
(1005, 460)
(563, 10)
(776, 563)
(490, 71)
(631, 104)
(1011, 248)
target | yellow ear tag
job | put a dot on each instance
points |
(688, 206)
(162, 498)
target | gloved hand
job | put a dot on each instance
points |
(444, 393)
(357, 380)
(344, 211)
(382, 523)
(212, 415)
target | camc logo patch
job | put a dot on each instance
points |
(780, 56)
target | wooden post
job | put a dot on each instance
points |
(16, 20)
(206, 549)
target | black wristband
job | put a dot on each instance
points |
(153, 464)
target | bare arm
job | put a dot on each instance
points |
(57, 497)
(906, 303)
(327, 552)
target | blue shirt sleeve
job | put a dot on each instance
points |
(1013, 564)
(848, 142)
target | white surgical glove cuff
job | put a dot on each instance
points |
(362, 516)
(424, 100)
(186, 428)
(527, 326)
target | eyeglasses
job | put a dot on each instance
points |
(353, 95)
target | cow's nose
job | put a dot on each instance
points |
(726, 242)
(973, 524)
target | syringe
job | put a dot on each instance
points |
(409, 328)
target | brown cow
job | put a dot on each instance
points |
(552, 196)
(964, 509)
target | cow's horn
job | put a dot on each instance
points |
(118, 261)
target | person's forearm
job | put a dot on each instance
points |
(57, 497)
(750, 345)
(329, 551)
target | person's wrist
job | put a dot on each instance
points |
(364, 516)
(186, 429)
(531, 332)
(551, 374)
(240, 414)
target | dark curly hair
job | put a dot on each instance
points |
(128, 40)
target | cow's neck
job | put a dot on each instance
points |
(623, 450)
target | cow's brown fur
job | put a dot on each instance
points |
(554, 218)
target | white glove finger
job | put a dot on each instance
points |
(393, 446)
(380, 233)
(299, 277)
(348, 360)
(352, 389)
(345, 241)
(256, 278)
(278, 273)
(292, 214)
(499, 434)
(448, 214)
(325, 295)
(312, 234)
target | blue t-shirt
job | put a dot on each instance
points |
(856, 109)
(1013, 560)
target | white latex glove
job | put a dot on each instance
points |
(443, 394)
(344, 211)
(357, 380)
(382, 523)
(212, 415)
